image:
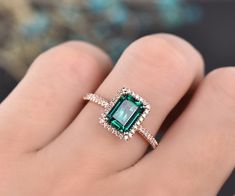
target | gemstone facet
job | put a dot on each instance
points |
(125, 113)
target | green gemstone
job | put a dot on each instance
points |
(125, 113)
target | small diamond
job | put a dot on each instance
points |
(147, 106)
(137, 97)
(132, 131)
(130, 134)
(102, 120)
(126, 137)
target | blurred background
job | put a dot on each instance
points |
(29, 27)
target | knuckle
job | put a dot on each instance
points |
(73, 57)
(222, 81)
(169, 52)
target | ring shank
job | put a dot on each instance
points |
(105, 103)
(96, 99)
(148, 137)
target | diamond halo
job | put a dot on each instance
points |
(125, 135)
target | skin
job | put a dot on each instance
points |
(51, 142)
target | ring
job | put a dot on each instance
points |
(124, 114)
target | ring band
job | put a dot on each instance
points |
(124, 114)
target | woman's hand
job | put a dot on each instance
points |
(51, 143)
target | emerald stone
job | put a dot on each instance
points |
(125, 113)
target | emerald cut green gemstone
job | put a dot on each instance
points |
(125, 113)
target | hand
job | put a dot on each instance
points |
(51, 143)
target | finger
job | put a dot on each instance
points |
(197, 154)
(161, 68)
(50, 95)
